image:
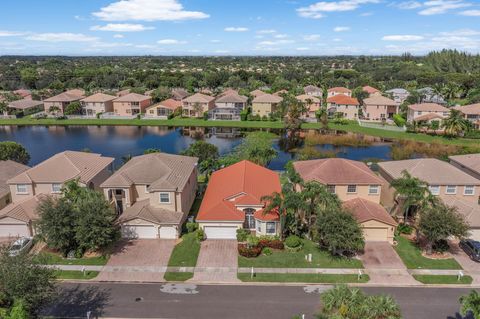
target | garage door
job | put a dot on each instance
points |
(375, 234)
(14, 230)
(168, 232)
(224, 232)
(475, 234)
(139, 231)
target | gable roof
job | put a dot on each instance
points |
(25, 211)
(429, 170)
(470, 161)
(168, 104)
(99, 97)
(428, 117)
(336, 171)
(256, 93)
(64, 97)
(472, 109)
(305, 97)
(364, 210)
(132, 97)
(339, 89)
(24, 104)
(267, 98)
(64, 166)
(428, 107)
(199, 98)
(343, 99)
(157, 215)
(161, 171)
(243, 183)
(232, 98)
(9, 169)
(370, 90)
(379, 100)
(311, 89)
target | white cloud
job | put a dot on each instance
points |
(267, 31)
(408, 5)
(403, 37)
(119, 36)
(11, 33)
(471, 13)
(215, 41)
(280, 36)
(170, 41)
(147, 10)
(236, 29)
(121, 27)
(316, 10)
(302, 49)
(341, 29)
(441, 6)
(311, 37)
(274, 42)
(61, 37)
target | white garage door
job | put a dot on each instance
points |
(14, 230)
(475, 234)
(220, 232)
(139, 231)
(375, 234)
(168, 232)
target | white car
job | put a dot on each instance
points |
(23, 244)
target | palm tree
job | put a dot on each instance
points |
(3, 108)
(322, 117)
(455, 124)
(470, 304)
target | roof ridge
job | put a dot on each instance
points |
(64, 153)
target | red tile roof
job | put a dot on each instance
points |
(342, 99)
(339, 89)
(171, 104)
(364, 210)
(370, 90)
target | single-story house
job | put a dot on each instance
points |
(26, 106)
(163, 109)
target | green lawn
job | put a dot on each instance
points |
(307, 278)
(413, 259)
(178, 276)
(185, 254)
(287, 259)
(75, 274)
(443, 279)
(49, 258)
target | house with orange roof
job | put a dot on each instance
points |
(338, 90)
(343, 105)
(163, 109)
(233, 200)
(371, 90)
(312, 103)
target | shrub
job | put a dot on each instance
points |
(99, 115)
(293, 241)
(264, 118)
(340, 121)
(441, 246)
(271, 243)
(249, 252)
(242, 234)
(399, 120)
(139, 116)
(191, 227)
(200, 234)
(404, 229)
(252, 241)
(244, 115)
(205, 116)
(266, 251)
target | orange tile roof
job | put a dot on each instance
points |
(342, 99)
(370, 90)
(171, 104)
(241, 184)
(339, 89)
(364, 210)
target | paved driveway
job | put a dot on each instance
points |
(472, 267)
(138, 260)
(221, 255)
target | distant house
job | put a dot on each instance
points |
(426, 112)
(233, 200)
(312, 103)
(163, 109)
(338, 90)
(23, 93)
(60, 102)
(97, 103)
(179, 94)
(131, 104)
(313, 91)
(469, 163)
(378, 108)
(8, 169)
(344, 105)
(197, 104)
(26, 106)
(398, 95)
(153, 194)
(281, 92)
(228, 91)
(428, 95)
(371, 90)
(79, 92)
(265, 104)
(471, 112)
(256, 93)
(228, 107)
(123, 92)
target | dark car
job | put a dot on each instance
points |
(471, 248)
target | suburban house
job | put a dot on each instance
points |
(472, 113)
(123, 92)
(228, 107)
(371, 90)
(8, 169)
(343, 105)
(163, 109)
(256, 93)
(228, 91)
(469, 163)
(426, 112)
(358, 188)
(281, 92)
(131, 104)
(57, 104)
(97, 103)
(265, 104)
(378, 108)
(313, 91)
(192, 105)
(338, 90)
(312, 103)
(179, 94)
(233, 200)
(23, 93)
(26, 106)
(79, 92)
(428, 95)
(399, 95)
(153, 194)
(47, 179)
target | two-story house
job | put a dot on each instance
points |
(228, 107)
(469, 163)
(47, 179)
(312, 104)
(97, 103)
(131, 104)
(179, 94)
(426, 112)
(197, 104)
(379, 108)
(399, 95)
(233, 200)
(313, 91)
(338, 90)
(8, 169)
(371, 90)
(472, 113)
(343, 105)
(153, 194)
(357, 187)
(265, 104)
(256, 93)
(58, 103)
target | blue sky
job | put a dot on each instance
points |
(229, 27)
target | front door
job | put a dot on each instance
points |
(249, 219)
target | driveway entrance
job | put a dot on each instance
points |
(217, 261)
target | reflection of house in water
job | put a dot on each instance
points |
(159, 130)
(226, 132)
(195, 132)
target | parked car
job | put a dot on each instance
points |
(471, 248)
(23, 244)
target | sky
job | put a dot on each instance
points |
(237, 27)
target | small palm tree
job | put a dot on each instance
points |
(455, 124)
(322, 117)
(3, 108)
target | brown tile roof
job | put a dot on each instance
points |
(228, 92)
(123, 92)
(199, 98)
(364, 210)
(428, 117)
(157, 215)
(430, 170)
(428, 107)
(232, 98)
(77, 92)
(179, 93)
(243, 183)
(64, 97)
(267, 98)
(170, 104)
(470, 161)
(9, 169)
(161, 171)
(132, 97)
(472, 109)
(311, 89)
(25, 211)
(336, 171)
(281, 92)
(470, 210)
(342, 99)
(305, 97)
(63, 167)
(370, 90)
(99, 97)
(256, 93)
(379, 100)
(24, 104)
(22, 92)
(339, 89)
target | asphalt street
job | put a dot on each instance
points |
(216, 301)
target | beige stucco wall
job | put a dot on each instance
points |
(60, 105)
(350, 112)
(362, 192)
(125, 108)
(263, 109)
(191, 107)
(220, 224)
(98, 107)
(263, 228)
(375, 112)
(376, 224)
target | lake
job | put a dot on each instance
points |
(117, 141)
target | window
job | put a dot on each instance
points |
(118, 192)
(164, 197)
(271, 228)
(56, 188)
(434, 189)
(331, 188)
(469, 190)
(373, 189)
(259, 226)
(249, 222)
(451, 189)
(22, 189)
(146, 188)
(351, 189)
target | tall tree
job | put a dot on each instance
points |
(13, 151)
